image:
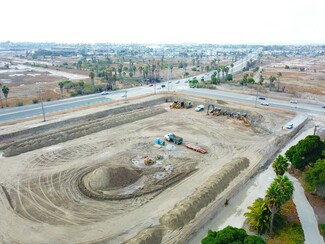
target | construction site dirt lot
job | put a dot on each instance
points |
(97, 188)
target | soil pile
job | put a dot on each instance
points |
(105, 178)
(147, 236)
(187, 209)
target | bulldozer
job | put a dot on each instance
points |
(182, 104)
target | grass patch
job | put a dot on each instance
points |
(322, 229)
(290, 231)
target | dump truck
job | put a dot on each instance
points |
(173, 138)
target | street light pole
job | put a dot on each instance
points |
(42, 101)
(43, 109)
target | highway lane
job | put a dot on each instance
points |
(18, 113)
(251, 100)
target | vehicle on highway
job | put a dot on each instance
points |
(199, 108)
(104, 92)
(262, 98)
(289, 126)
(294, 101)
(265, 103)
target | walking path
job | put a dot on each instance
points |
(233, 213)
(306, 214)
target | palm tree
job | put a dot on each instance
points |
(280, 191)
(280, 165)
(232, 69)
(258, 218)
(5, 91)
(1, 97)
(171, 71)
(226, 70)
(223, 70)
(61, 85)
(218, 69)
(271, 79)
(140, 70)
(92, 76)
(81, 85)
(279, 74)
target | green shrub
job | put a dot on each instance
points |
(35, 101)
(18, 104)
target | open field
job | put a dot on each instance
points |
(91, 184)
(304, 80)
(30, 79)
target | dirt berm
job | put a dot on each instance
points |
(186, 210)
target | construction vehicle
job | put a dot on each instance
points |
(213, 110)
(173, 138)
(182, 104)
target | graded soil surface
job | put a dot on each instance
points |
(42, 199)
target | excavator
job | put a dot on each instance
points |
(218, 111)
(212, 110)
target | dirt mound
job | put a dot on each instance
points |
(187, 209)
(147, 236)
(105, 178)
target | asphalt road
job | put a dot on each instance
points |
(28, 111)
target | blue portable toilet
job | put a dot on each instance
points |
(158, 140)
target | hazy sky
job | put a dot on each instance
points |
(166, 21)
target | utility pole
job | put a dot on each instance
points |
(41, 91)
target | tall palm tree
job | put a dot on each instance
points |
(258, 218)
(140, 68)
(1, 97)
(271, 79)
(279, 75)
(61, 85)
(92, 76)
(5, 91)
(280, 165)
(280, 191)
(81, 85)
(223, 70)
(218, 69)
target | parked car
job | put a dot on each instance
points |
(323, 106)
(104, 92)
(289, 126)
(177, 82)
(262, 98)
(123, 95)
(199, 108)
(294, 101)
(162, 86)
(265, 104)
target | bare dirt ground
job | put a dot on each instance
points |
(302, 85)
(41, 201)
